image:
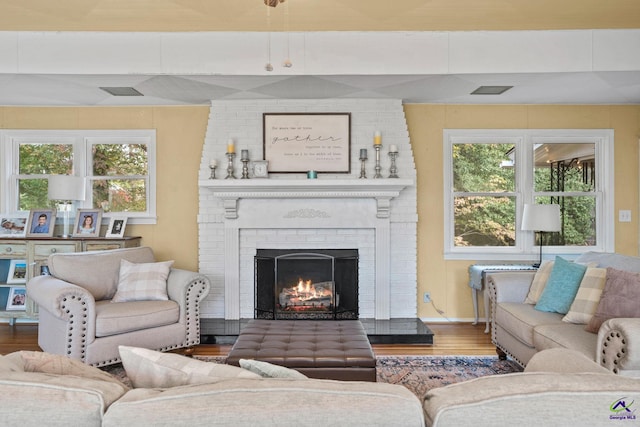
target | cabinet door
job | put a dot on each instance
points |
(13, 277)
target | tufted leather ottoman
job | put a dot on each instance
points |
(326, 349)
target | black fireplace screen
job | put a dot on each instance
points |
(306, 284)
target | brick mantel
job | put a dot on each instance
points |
(231, 191)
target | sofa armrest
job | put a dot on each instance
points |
(188, 289)
(563, 360)
(510, 286)
(619, 346)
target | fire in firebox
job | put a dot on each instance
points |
(307, 296)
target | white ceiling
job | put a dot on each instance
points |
(544, 67)
(621, 87)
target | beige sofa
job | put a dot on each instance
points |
(520, 331)
(559, 387)
(40, 389)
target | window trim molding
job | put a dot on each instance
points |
(81, 141)
(525, 248)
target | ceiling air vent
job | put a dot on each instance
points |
(121, 91)
(491, 90)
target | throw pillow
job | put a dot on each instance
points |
(148, 369)
(539, 281)
(269, 370)
(142, 282)
(588, 296)
(619, 298)
(55, 364)
(561, 287)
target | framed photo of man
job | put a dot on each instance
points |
(41, 222)
(87, 223)
(116, 226)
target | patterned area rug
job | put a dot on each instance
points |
(417, 373)
(422, 373)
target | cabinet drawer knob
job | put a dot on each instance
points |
(53, 250)
(9, 249)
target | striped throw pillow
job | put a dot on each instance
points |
(588, 297)
(142, 282)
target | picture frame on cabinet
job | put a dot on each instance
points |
(41, 222)
(87, 223)
(17, 299)
(17, 271)
(13, 225)
(116, 227)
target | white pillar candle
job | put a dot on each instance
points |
(213, 163)
(393, 148)
(231, 147)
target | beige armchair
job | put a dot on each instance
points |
(78, 319)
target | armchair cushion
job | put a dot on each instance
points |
(98, 271)
(142, 282)
(120, 318)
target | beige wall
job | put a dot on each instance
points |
(447, 280)
(180, 135)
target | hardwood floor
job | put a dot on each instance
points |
(461, 339)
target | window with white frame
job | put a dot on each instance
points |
(491, 174)
(118, 168)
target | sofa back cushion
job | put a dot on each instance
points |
(99, 271)
(613, 260)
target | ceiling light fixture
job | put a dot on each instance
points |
(121, 91)
(287, 61)
(491, 90)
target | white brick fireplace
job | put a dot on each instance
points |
(288, 211)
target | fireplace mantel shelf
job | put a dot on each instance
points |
(230, 191)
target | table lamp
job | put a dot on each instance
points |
(66, 189)
(541, 219)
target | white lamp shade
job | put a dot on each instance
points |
(66, 187)
(541, 218)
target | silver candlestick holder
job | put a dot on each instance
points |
(213, 172)
(363, 161)
(393, 170)
(245, 168)
(378, 167)
(230, 172)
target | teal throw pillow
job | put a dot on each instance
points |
(562, 286)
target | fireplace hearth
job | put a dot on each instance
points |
(297, 284)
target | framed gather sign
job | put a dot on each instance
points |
(301, 142)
